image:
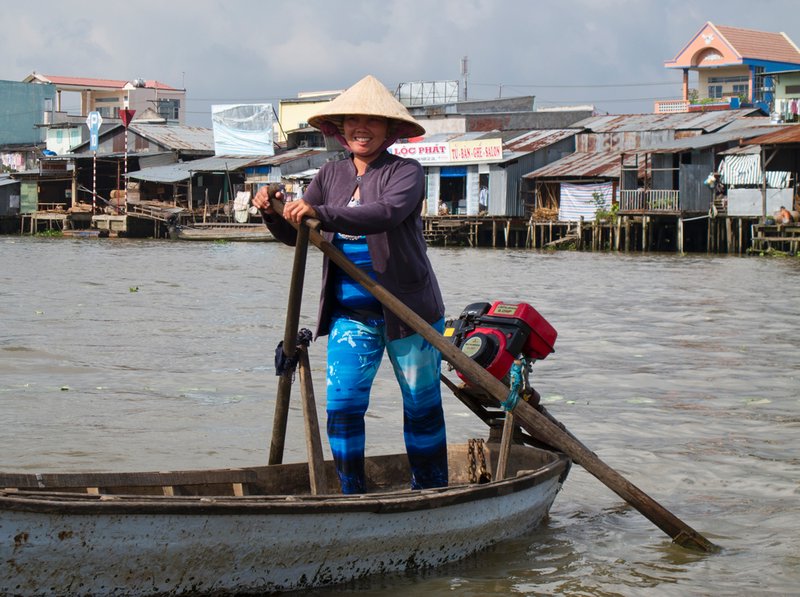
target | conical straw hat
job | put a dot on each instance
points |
(368, 97)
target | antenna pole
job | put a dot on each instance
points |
(465, 74)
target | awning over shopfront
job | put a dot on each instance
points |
(453, 171)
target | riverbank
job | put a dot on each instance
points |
(720, 234)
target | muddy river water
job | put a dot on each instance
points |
(682, 372)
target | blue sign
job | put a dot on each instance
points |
(93, 121)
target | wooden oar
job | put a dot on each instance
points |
(289, 347)
(526, 415)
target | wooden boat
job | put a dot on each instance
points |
(85, 233)
(223, 231)
(258, 529)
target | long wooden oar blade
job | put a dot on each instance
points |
(526, 415)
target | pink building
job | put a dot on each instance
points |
(733, 66)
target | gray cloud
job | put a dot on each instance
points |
(607, 52)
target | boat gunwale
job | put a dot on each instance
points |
(384, 502)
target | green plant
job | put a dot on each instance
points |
(601, 212)
(52, 233)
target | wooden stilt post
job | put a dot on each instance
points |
(729, 234)
(644, 233)
(740, 228)
(627, 244)
(680, 235)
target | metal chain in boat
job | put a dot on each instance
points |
(476, 456)
(473, 475)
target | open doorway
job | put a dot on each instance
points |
(453, 189)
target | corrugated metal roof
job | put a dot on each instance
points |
(441, 137)
(535, 140)
(741, 150)
(220, 163)
(179, 137)
(785, 136)
(705, 121)
(726, 135)
(181, 171)
(287, 156)
(169, 174)
(583, 165)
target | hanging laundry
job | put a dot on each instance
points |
(240, 205)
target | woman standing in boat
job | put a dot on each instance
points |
(369, 206)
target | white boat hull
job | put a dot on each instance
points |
(78, 544)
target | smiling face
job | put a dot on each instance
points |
(365, 135)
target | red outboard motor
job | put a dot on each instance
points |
(493, 335)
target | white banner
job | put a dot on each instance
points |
(583, 200)
(424, 153)
(242, 129)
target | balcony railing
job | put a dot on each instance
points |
(680, 106)
(650, 200)
(672, 106)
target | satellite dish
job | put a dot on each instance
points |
(138, 83)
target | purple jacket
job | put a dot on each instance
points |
(392, 191)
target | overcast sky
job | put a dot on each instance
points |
(609, 53)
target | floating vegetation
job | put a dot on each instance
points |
(50, 234)
(768, 252)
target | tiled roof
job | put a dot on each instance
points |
(761, 45)
(107, 83)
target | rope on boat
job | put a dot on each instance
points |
(516, 380)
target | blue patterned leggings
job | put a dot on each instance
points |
(355, 351)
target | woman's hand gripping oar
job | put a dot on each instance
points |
(534, 422)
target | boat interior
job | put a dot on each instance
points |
(474, 462)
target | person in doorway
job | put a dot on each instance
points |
(369, 206)
(483, 200)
